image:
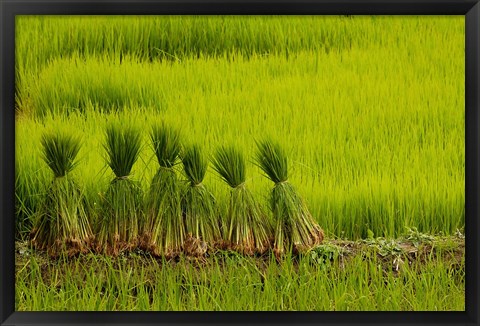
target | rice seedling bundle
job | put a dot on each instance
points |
(198, 204)
(164, 229)
(295, 228)
(248, 228)
(62, 226)
(121, 211)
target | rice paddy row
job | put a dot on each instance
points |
(174, 38)
(176, 216)
(361, 163)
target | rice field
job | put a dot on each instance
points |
(365, 115)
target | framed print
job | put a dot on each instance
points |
(239, 162)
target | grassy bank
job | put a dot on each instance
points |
(379, 274)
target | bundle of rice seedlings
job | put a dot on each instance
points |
(248, 230)
(198, 204)
(121, 206)
(164, 229)
(295, 227)
(62, 226)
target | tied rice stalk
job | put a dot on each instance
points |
(59, 152)
(295, 227)
(164, 229)
(247, 230)
(121, 209)
(62, 226)
(198, 204)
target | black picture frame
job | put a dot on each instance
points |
(10, 8)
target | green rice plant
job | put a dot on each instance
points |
(376, 170)
(248, 229)
(295, 227)
(172, 38)
(62, 225)
(164, 229)
(26, 203)
(198, 203)
(121, 207)
(352, 280)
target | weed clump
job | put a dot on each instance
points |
(248, 228)
(121, 211)
(295, 228)
(62, 226)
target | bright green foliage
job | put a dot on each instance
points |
(369, 108)
(359, 165)
(229, 282)
(295, 227)
(272, 159)
(122, 147)
(59, 152)
(164, 228)
(230, 166)
(118, 228)
(119, 220)
(62, 224)
(248, 229)
(256, 83)
(198, 203)
(195, 164)
(27, 198)
(166, 144)
(161, 38)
